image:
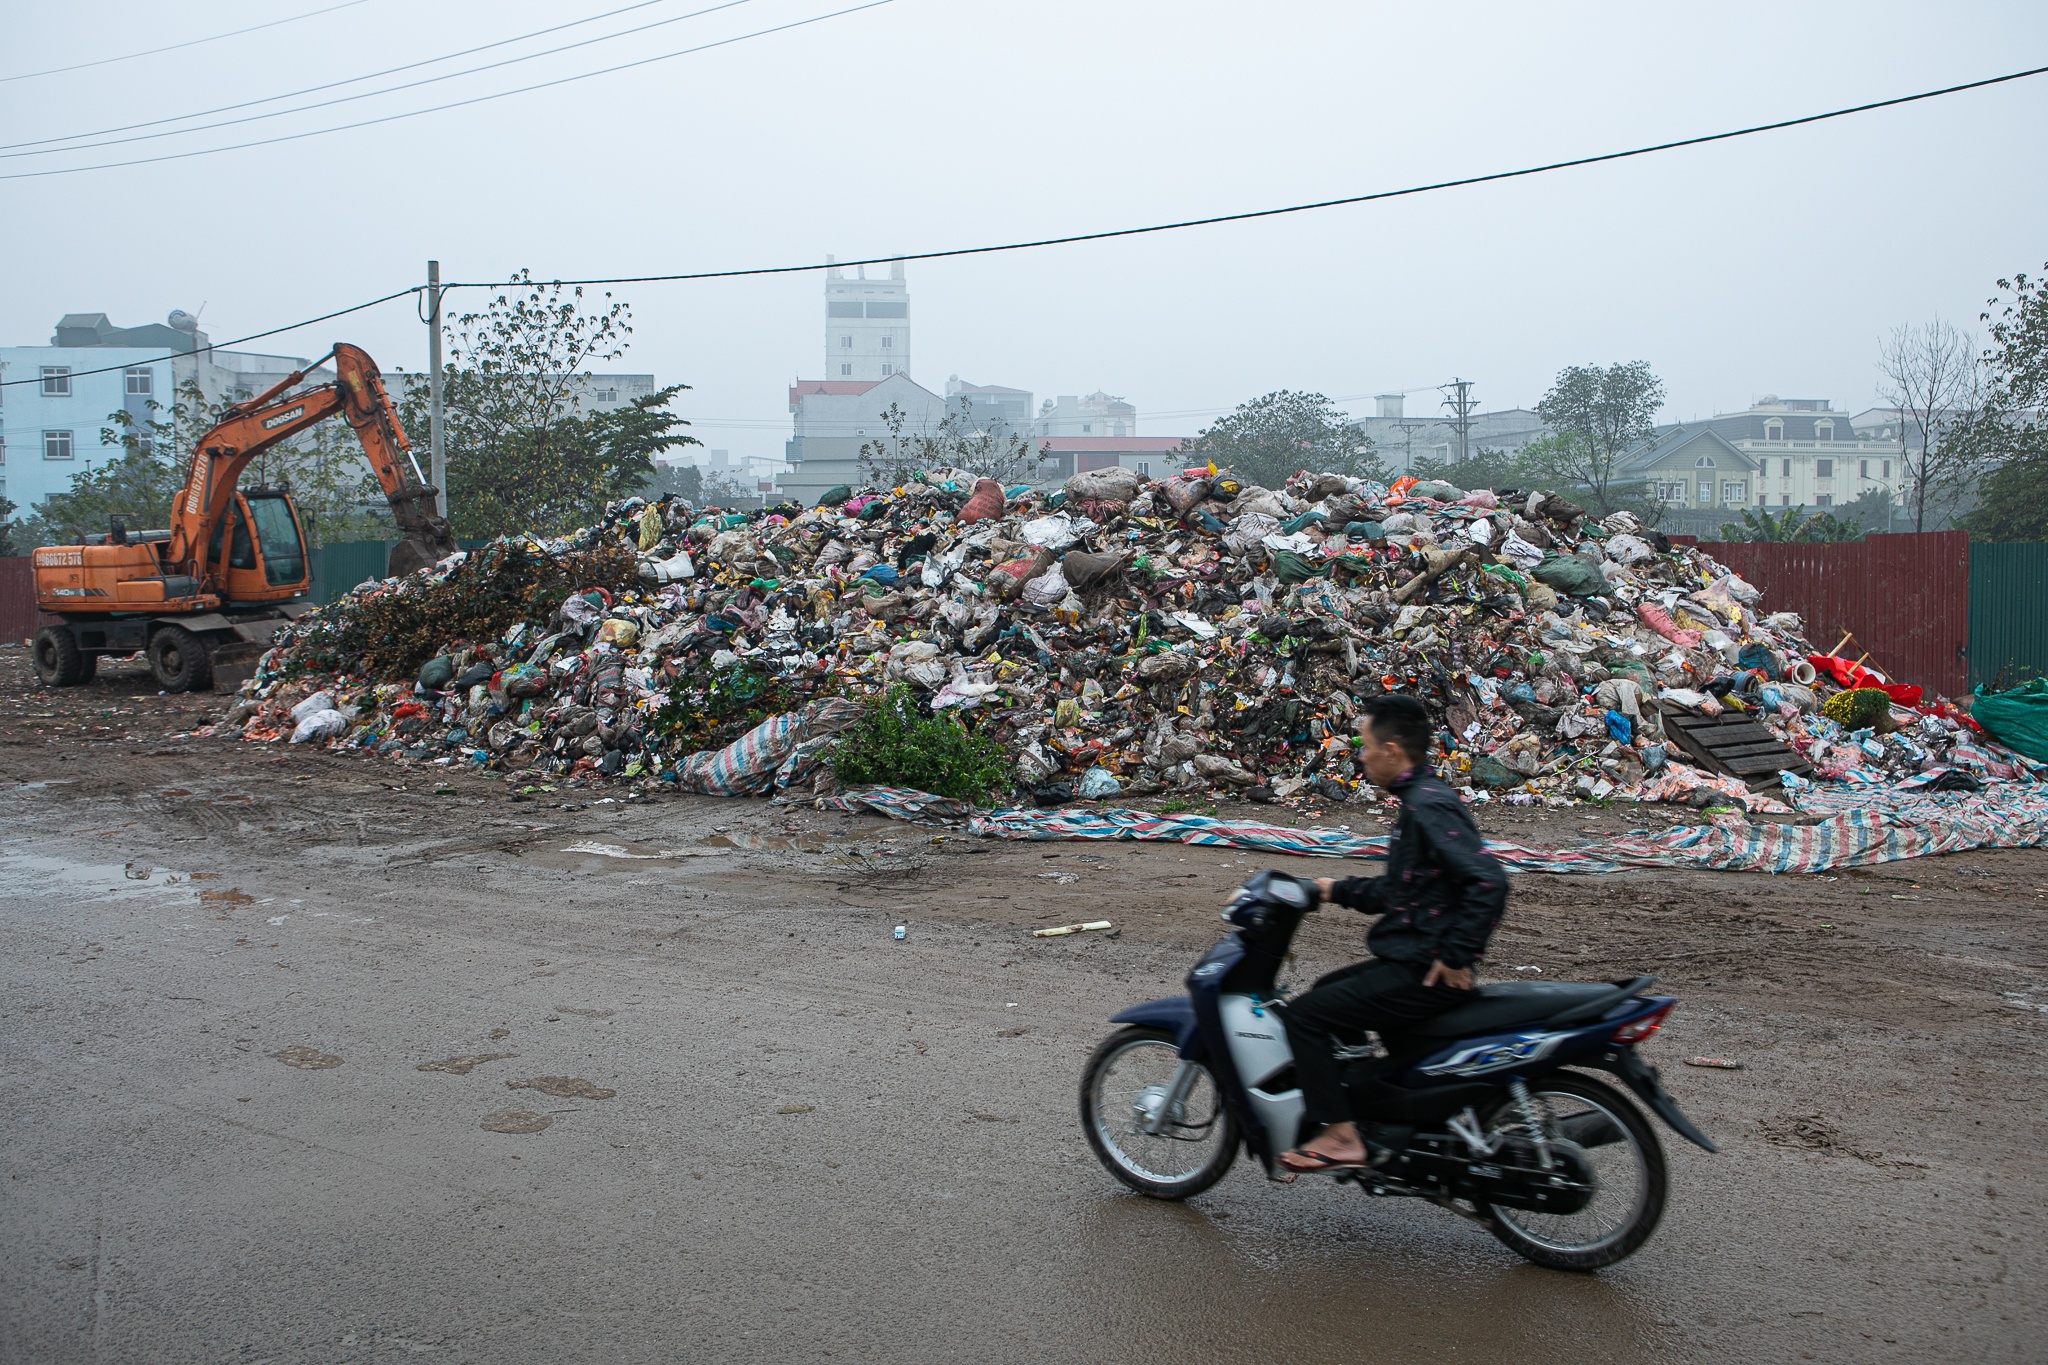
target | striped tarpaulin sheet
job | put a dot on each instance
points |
(1871, 827)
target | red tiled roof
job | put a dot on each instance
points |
(1123, 445)
(849, 388)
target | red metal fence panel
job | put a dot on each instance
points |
(1905, 598)
(18, 616)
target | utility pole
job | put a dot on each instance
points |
(1458, 398)
(437, 452)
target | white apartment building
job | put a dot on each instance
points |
(1096, 414)
(1808, 454)
(867, 324)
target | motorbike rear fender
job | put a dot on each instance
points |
(1176, 1014)
(1642, 1078)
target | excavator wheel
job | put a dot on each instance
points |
(59, 661)
(178, 659)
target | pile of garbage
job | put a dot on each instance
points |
(1121, 637)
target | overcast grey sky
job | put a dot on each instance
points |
(1770, 264)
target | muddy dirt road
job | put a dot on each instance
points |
(312, 1059)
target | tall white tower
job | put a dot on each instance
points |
(867, 324)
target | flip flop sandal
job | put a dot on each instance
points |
(1322, 1163)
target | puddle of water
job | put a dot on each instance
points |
(39, 786)
(596, 849)
(563, 1087)
(33, 874)
(778, 843)
(462, 1066)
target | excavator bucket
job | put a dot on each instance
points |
(417, 552)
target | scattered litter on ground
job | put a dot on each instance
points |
(1066, 929)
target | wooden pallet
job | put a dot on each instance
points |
(1735, 743)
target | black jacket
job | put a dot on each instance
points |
(1443, 892)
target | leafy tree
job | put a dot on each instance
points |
(7, 545)
(523, 455)
(1933, 382)
(1597, 415)
(1268, 439)
(1486, 468)
(955, 443)
(684, 481)
(1793, 524)
(2008, 435)
(1875, 510)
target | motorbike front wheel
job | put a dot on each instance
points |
(1156, 1123)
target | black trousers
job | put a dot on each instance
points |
(1375, 994)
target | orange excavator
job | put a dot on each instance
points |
(203, 598)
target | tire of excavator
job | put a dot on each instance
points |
(59, 661)
(177, 658)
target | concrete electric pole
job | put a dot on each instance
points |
(437, 452)
(1458, 398)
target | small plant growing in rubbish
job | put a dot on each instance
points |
(895, 744)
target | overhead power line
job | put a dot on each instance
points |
(453, 104)
(49, 150)
(1113, 233)
(1248, 215)
(174, 47)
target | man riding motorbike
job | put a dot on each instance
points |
(1438, 903)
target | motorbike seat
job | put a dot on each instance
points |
(1505, 1004)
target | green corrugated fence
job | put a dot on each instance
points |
(337, 568)
(2008, 614)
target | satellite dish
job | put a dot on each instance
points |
(183, 321)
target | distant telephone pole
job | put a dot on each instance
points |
(1458, 398)
(437, 452)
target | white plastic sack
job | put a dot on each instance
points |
(318, 725)
(674, 569)
(1625, 548)
(319, 701)
(1248, 529)
(1520, 552)
(1299, 542)
(1047, 589)
(1055, 532)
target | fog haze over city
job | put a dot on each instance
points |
(1765, 265)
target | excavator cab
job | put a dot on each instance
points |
(205, 596)
(258, 550)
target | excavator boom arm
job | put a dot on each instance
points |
(266, 420)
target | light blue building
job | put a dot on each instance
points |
(50, 426)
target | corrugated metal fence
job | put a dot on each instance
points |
(18, 615)
(1905, 598)
(2008, 614)
(337, 568)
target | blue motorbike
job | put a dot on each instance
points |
(1510, 1130)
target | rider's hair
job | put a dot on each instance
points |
(1399, 717)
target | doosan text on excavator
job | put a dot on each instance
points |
(203, 597)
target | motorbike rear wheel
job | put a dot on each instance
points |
(1629, 1171)
(1129, 1079)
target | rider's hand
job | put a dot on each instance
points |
(1458, 978)
(1326, 887)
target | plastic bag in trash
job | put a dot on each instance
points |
(313, 705)
(318, 725)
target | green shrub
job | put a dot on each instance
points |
(894, 744)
